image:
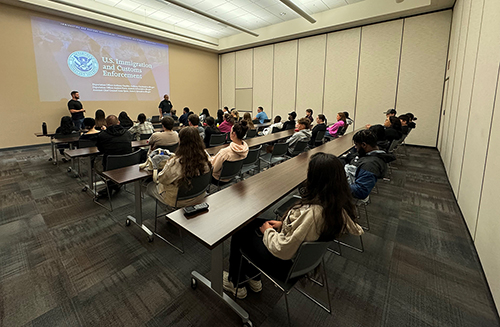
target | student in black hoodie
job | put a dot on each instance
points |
(390, 131)
(115, 140)
(290, 123)
(366, 165)
(209, 130)
(320, 126)
(404, 124)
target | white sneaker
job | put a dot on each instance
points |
(228, 286)
(255, 285)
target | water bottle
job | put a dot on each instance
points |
(44, 128)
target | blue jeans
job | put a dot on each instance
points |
(78, 123)
(167, 114)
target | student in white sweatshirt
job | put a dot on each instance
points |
(325, 211)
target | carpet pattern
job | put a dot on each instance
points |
(64, 261)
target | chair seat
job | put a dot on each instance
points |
(282, 209)
(267, 158)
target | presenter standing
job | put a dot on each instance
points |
(75, 107)
(165, 106)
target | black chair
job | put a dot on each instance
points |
(197, 186)
(275, 130)
(251, 133)
(319, 137)
(155, 119)
(251, 162)
(230, 169)
(309, 256)
(155, 126)
(299, 148)
(145, 136)
(282, 209)
(228, 137)
(342, 130)
(112, 162)
(255, 121)
(85, 143)
(278, 154)
(267, 120)
(172, 147)
(217, 139)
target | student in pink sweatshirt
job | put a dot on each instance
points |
(237, 150)
(225, 126)
(335, 128)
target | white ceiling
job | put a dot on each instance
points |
(250, 14)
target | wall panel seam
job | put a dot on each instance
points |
(324, 75)
(296, 76)
(487, 151)
(357, 78)
(399, 64)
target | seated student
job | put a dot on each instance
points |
(277, 123)
(141, 127)
(325, 211)
(173, 114)
(404, 124)
(411, 123)
(65, 129)
(236, 115)
(261, 115)
(367, 165)
(190, 160)
(220, 116)
(204, 115)
(209, 130)
(183, 119)
(100, 120)
(390, 131)
(290, 123)
(165, 138)
(309, 115)
(194, 121)
(125, 120)
(91, 134)
(248, 118)
(225, 126)
(390, 113)
(303, 133)
(320, 126)
(335, 128)
(237, 150)
(225, 110)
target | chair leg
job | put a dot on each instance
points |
(367, 228)
(288, 311)
(339, 252)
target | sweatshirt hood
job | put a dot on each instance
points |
(382, 155)
(116, 130)
(306, 132)
(239, 148)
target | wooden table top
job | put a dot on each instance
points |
(233, 207)
(256, 141)
(127, 174)
(83, 152)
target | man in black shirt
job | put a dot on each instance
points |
(75, 107)
(320, 126)
(184, 118)
(165, 106)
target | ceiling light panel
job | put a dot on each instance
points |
(251, 14)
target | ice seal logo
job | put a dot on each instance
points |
(83, 64)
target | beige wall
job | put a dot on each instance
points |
(470, 140)
(193, 83)
(364, 71)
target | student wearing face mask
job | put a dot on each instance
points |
(367, 165)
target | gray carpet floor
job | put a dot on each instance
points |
(65, 261)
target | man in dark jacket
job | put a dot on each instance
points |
(367, 165)
(320, 126)
(114, 140)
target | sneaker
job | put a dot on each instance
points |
(228, 286)
(255, 285)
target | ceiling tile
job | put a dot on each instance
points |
(353, 1)
(334, 3)
(144, 10)
(277, 9)
(159, 15)
(108, 2)
(209, 4)
(127, 5)
(265, 3)
(184, 24)
(224, 8)
(316, 6)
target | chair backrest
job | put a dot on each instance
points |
(155, 119)
(217, 139)
(84, 143)
(342, 130)
(228, 137)
(300, 147)
(230, 169)
(267, 120)
(252, 156)
(251, 133)
(199, 184)
(255, 121)
(123, 160)
(171, 148)
(275, 130)
(145, 136)
(319, 136)
(393, 145)
(289, 126)
(279, 149)
(308, 257)
(155, 126)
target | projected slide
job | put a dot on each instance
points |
(102, 66)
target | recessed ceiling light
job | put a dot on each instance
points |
(282, 13)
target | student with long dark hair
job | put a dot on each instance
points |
(220, 116)
(190, 160)
(237, 150)
(65, 129)
(322, 214)
(204, 115)
(125, 120)
(100, 120)
(209, 130)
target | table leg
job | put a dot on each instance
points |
(217, 257)
(51, 148)
(138, 211)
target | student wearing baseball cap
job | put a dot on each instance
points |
(290, 123)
